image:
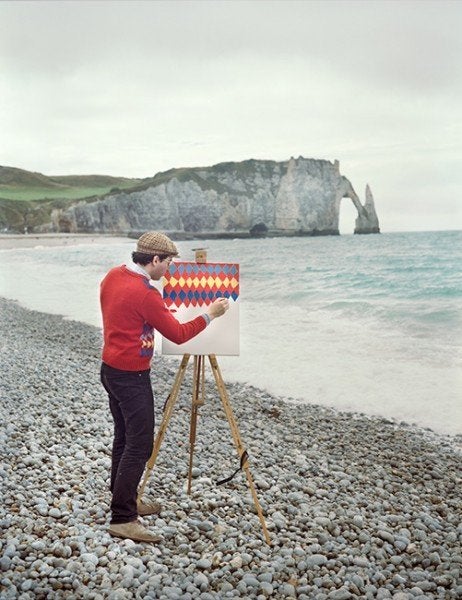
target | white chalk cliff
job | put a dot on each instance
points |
(296, 197)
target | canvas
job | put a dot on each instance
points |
(188, 289)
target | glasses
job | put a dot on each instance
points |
(168, 259)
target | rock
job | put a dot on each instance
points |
(266, 588)
(287, 590)
(316, 560)
(251, 581)
(214, 547)
(340, 594)
(236, 562)
(203, 563)
(296, 196)
(88, 557)
(386, 535)
(27, 585)
(5, 563)
(201, 581)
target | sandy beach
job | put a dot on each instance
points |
(54, 239)
(356, 506)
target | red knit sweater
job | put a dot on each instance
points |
(132, 309)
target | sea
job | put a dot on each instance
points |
(368, 324)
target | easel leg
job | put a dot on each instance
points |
(171, 400)
(198, 390)
(237, 439)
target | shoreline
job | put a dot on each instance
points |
(18, 240)
(30, 240)
(347, 519)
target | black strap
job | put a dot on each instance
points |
(244, 457)
(166, 402)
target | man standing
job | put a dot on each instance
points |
(132, 309)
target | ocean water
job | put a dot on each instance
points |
(370, 324)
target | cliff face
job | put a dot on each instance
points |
(299, 196)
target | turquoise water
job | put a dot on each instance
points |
(364, 323)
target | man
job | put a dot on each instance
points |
(132, 309)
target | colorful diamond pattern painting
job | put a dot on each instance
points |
(198, 284)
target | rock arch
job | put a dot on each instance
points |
(367, 220)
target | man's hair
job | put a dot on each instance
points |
(143, 259)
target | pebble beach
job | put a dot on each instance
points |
(356, 506)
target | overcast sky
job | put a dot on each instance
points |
(133, 88)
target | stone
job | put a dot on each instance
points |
(287, 590)
(201, 581)
(236, 562)
(340, 594)
(203, 563)
(75, 557)
(5, 563)
(316, 560)
(266, 588)
(298, 196)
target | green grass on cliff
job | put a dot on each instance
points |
(18, 184)
(68, 193)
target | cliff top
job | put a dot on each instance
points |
(20, 184)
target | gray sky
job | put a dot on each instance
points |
(133, 88)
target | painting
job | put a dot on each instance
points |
(188, 289)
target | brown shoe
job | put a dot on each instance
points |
(133, 531)
(148, 508)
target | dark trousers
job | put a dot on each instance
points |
(132, 406)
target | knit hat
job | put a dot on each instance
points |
(154, 242)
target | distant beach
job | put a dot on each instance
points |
(30, 240)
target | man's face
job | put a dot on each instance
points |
(159, 267)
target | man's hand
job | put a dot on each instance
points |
(218, 308)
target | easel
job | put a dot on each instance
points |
(198, 399)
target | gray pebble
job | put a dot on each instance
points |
(5, 563)
(316, 560)
(341, 594)
(340, 524)
(201, 581)
(266, 588)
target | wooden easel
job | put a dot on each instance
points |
(198, 399)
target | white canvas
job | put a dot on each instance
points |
(188, 289)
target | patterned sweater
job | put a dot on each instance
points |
(132, 309)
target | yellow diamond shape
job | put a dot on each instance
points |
(234, 282)
(181, 281)
(189, 282)
(203, 281)
(196, 282)
(210, 281)
(173, 281)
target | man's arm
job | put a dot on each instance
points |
(157, 314)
